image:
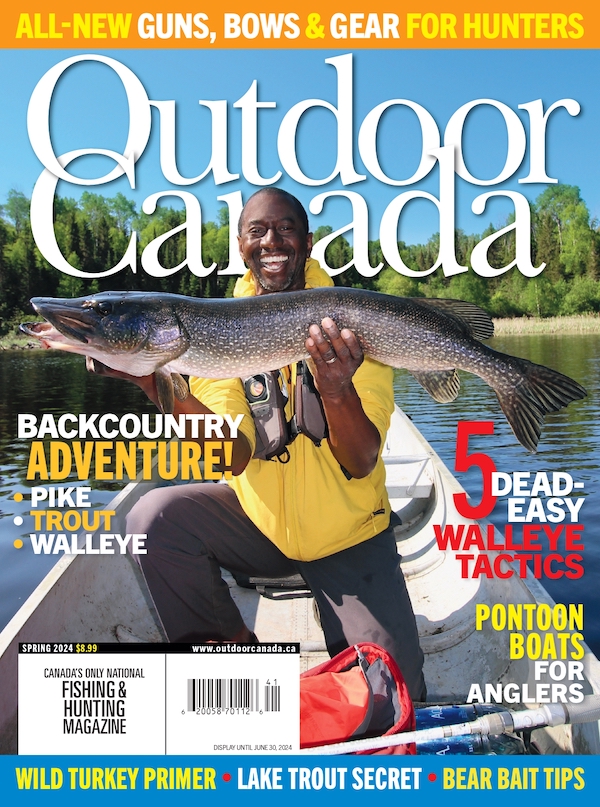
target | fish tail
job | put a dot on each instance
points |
(535, 391)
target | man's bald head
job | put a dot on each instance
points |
(296, 204)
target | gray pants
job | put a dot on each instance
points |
(194, 530)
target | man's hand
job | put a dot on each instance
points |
(353, 439)
(191, 406)
(334, 359)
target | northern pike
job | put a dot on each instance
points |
(142, 333)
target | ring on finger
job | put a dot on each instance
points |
(330, 361)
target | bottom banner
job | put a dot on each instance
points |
(296, 779)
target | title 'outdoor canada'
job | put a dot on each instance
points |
(446, 152)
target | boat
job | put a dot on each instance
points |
(104, 598)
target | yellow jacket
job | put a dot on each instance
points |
(306, 506)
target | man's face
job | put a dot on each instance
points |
(273, 243)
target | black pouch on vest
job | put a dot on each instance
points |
(267, 406)
(309, 418)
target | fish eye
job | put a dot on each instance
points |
(103, 308)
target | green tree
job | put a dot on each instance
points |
(582, 297)
(16, 210)
(388, 281)
(569, 213)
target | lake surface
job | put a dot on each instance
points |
(38, 381)
(570, 442)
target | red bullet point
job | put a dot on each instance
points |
(227, 777)
(432, 777)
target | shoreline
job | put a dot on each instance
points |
(509, 326)
(13, 341)
(576, 324)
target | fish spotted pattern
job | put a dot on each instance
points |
(141, 333)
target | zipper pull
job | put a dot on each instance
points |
(362, 659)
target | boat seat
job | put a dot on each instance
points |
(405, 478)
(275, 588)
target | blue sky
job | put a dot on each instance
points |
(89, 110)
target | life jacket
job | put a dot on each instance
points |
(268, 395)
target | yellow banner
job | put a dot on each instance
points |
(304, 24)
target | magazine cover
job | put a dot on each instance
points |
(299, 318)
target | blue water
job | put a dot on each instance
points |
(570, 443)
(37, 382)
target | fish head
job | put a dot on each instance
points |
(133, 332)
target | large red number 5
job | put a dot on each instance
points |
(463, 461)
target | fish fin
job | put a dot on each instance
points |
(180, 386)
(539, 391)
(165, 390)
(474, 320)
(442, 385)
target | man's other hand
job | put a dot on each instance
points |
(335, 357)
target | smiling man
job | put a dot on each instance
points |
(274, 241)
(319, 508)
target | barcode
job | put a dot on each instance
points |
(272, 699)
(233, 693)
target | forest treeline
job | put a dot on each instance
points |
(94, 231)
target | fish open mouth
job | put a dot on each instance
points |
(61, 321)
(37, 329)
(48, 335)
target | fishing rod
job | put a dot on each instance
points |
(553, 714)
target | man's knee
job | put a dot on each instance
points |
(147, 511)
